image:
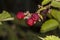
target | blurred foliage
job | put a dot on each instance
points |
(19, 30)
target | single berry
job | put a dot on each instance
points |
(20, 15)
(35, 16)
(30, 22)
(44, 12)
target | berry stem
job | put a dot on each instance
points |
(43, 8)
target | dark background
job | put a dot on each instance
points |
(19, 5)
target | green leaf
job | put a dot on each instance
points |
(51, 37)
(55, 4)
(49, 25)
(55, 14)
(4, 15)
(45, 2)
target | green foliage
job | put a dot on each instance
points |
(56, 14)
(51, 37)
(1, 30)
(55, 4)
(8, 31)
(45, 2)
(4, 15)
(31, 36)
(49, 25)
(12, 35)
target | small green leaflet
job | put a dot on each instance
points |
(49, 25)
(4, 15)
(55, 14)
(55, 4)
(45, 2)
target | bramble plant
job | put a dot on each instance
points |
(23, 23)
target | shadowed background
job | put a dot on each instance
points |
(19, 5)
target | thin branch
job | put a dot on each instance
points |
(8, 19)
(40, 38)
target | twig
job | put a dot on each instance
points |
(42, 8)
(8, 19)
(40, 38)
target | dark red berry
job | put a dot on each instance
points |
(30, 22)
(20, 15)
(44, 11)
(35, 16)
